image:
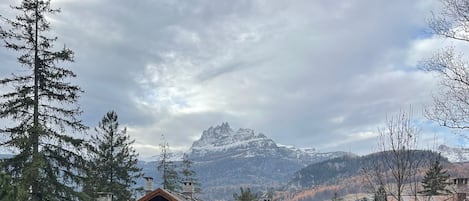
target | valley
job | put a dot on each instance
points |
(226, 159)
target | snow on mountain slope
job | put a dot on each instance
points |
(223, 141)
(454, 155)
(225, 158)
(174, 156)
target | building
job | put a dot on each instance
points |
(165, 195)
(462, 188)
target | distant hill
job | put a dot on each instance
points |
(333, 170)
(344, 176)
(354, 187)
(226, 159)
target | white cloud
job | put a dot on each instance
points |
(305, 73)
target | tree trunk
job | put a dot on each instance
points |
(36, 128)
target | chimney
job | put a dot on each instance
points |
(104, 196)
(188, 188)
(462, 188)
(148, 184)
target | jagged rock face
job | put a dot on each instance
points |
(225, 159)
(222, 141)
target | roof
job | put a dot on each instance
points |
(169, 195)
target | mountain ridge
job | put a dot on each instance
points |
(453, 154)
(226, 158)
(223, 138)
(349, 176)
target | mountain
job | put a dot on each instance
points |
(226, 159)
(173, 156)
(454, 155)
(223, 142)
(334, 170)
(346, 175)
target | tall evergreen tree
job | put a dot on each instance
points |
(170, 177)
(41, 105)
(113, 164)
(435, 181)
(188, 174)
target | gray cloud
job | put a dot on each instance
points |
(306, 73)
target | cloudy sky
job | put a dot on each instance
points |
(320, 74)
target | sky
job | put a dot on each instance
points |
(311, 74)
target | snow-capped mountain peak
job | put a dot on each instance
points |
(224, 142)
(225, 158)
(223, 135)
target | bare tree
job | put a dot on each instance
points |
(397, 162)
(451, 105)
(169, 175)
(452, 21)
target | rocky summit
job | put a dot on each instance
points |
(222, 141)
(227, 158)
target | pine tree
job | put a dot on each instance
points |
(188, 174)
(170, 177)
(113, 164)
(41, 105)
(245, 195)
(8, 191)
(435, 181)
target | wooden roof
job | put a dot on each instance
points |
(159, 192)
(170, 196)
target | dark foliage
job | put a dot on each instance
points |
(169, 174)
(113, 164)
(333, 170)
(435, 181)
(40, 103)
(188, 173)
(8, 191)
(380, 194)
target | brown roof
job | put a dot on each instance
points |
(169, 195)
